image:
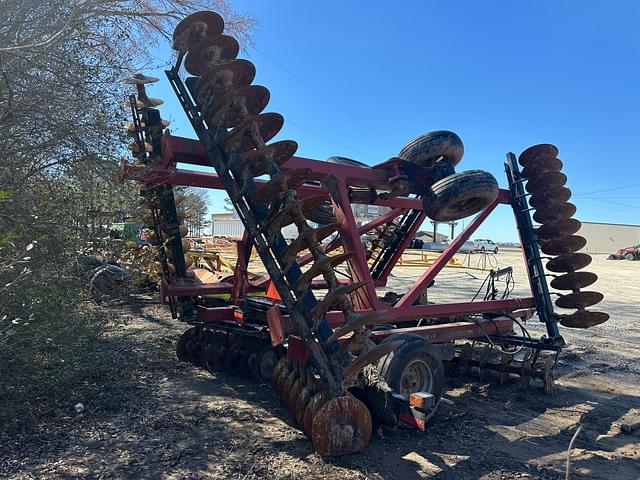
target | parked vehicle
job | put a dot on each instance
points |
(627, 253)
(467, 247)
(485, 245)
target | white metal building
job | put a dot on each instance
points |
(608, 237)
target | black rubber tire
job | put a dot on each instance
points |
(460, 195)
(427, 148)
(391, 367)
(324, 215)
(109, 283)
(630, 257)
(414, 347)
(495, 250)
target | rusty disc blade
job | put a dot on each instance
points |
(195, 28)
(209, 53)
(317, 401)
(287, 215)
(322, 265)
(341, 427)
(569, 262)
(237, 105)
(549, 213)
(291, 397)
(148, 103)
(550, 197)
(275, 375)
(280, 184)
(223, 77)
(574, 281)
(260, 162)
(139, 79)
(286, 387)
(558, 229)
(301, 404)
(542, 150)
(548, 181)
(584, 319)
(560, 246)
(579, 300)
(337, 294)
(540, 166)
(304, 240)
(243, 137)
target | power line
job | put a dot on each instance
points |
(341, 145)
(326, 98)
(611, 203)
(608, 189)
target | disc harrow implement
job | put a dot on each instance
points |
(340, 358)
(549, 196)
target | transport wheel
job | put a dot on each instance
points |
(415, 366)
(460, 195)
(324, 215)
(629, 256)
(427, 148)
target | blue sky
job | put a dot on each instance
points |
(361, 79)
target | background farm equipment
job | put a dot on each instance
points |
(627, 253)
(339, 355)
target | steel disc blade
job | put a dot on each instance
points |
(237, 105)
(284, 376)
(195, 28)
(569, 262)
(287, 215)
(260, 162)
(560, 246)
(550, 197)
(317, 401)
(140, 79)
(148, 103)
(287, 385)
(301, 404)
(322, 265)
(549, 213)
(558, 229)
(280, 365)
(548, 181)
(209, 53)
(341, 427)
(280, 184)
(225, 76)
(574, 281)
(540, 166)
(584, 319)
(291, 397)
(579, 300)
(543, 150)
(242, 138)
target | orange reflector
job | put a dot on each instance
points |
(272, 293)
(421, 400)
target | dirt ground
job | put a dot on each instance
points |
(183, 423)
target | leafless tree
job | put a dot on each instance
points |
(61, 114)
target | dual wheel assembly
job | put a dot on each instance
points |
(557, 235)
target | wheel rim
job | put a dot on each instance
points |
(416, 377)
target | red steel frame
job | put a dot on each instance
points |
(181, 150)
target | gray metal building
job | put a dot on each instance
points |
(608, 237)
